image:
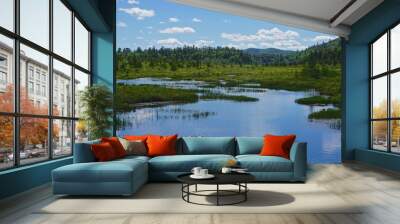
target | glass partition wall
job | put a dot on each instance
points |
(44, 64)
(385, 91)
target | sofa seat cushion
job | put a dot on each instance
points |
(133, 157)
(185, 163)
(112, 171)
(257, 163)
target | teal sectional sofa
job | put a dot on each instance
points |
(125, 176)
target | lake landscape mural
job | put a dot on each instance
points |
(279, 80)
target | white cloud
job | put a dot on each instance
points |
(162, 22)
(237, 37)
(203, 43)
(250, 45)
(197, 20)
(284, 44)
(172, 30)
(268, 38)
(241, 45)
(149, 27)
(139, 13)
(173, 42)
(134, 2)
(139, 38)
(170, 42)
(261, 35)
(323, 38)
(226, 21)
(173, 20)
(121, 24)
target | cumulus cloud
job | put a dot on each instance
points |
(241, 45)
(139, 13)
(121, 24)
(203, 43)
(323, 38)
(284, 44)
(173, 42)
(261, 35)
(170, 42)
(173, 20)
(197, 20)
(173, 30)
(266, 38)
(134, 2)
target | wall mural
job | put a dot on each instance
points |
(200, 73)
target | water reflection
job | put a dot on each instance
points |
(275, 112)
(137, 118)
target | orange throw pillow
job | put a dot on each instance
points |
(161, 145)
(116, 145)
(103, 152)
(277, 145)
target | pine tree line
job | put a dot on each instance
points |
(194, 57)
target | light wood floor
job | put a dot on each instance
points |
(379, 189)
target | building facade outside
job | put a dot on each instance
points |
(34, 82)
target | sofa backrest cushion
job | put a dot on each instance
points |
(83, 152)
(206, 145)
(249, 145)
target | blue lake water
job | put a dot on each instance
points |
(276, 113)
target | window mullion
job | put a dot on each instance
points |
(389, 101)
(50, 81)
(371, 143)
(16, 84)
(73, 82)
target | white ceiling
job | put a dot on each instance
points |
(318, 15)
(321, 9)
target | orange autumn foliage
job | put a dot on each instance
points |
(33, 130)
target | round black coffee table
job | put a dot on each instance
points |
(238, 179)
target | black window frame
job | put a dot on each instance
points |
(16, 114)
(388, 74)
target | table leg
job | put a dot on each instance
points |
(217, 194)
(245, 193)
(195, 188)
(188, 189)
(182, 188)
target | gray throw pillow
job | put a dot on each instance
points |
(137, 148)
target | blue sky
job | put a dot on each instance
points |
(160, 23)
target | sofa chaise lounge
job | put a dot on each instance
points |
(125, 176)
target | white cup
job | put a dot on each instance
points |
(196, 171)
(226, 170)
(203, 172)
